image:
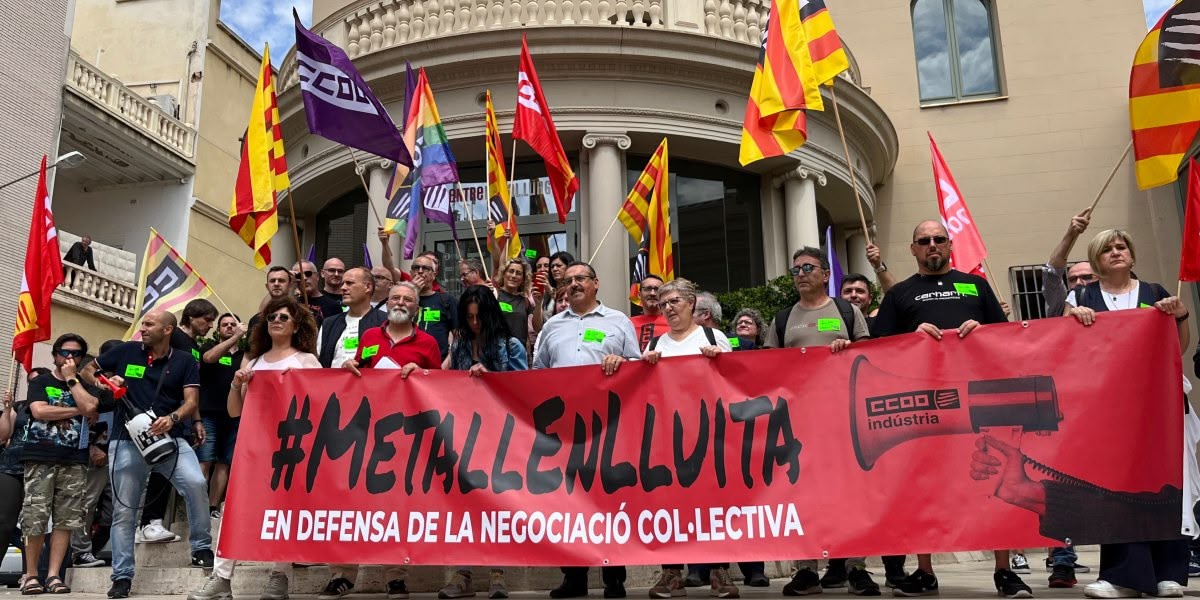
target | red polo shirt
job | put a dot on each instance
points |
(420, 348)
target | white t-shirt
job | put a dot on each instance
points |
(347, 344)
(691, 344)
(299, 360)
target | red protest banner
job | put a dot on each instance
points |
(754, 455)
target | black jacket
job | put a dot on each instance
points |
(333, 326)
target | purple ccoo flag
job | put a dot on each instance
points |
(835, 266)
(339, 104)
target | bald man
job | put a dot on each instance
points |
(165, 382)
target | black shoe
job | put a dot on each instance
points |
(571, 588)
(893, 577)
(1010, 585)
(613, 589)
(336, 588)
(397, 590)
(835, 575)
(120, 588)
(859, 583)
(919, 583)
(1062, 577)
(758, 580)
(202, 559)
(803, 583)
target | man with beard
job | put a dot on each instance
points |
(651, 322)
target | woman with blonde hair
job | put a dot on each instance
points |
(520, 301)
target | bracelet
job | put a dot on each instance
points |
(1183, 318)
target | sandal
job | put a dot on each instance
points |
(55, 585)
(32, 587)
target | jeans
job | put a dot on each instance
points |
(1064, 556)
(95, 509)
(128, 473)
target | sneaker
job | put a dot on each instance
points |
(155, 533)
(893, 577)
(1082, 568)
(276, 587)
(669, 585)
(202, 559)
(458, 587)
(214, 588)
(1019, 564)
(758, 580)
(1169, 589)
(1062, 577)
(835, 575)
(120, 588)
(1010, 585)
(214, 513)
(336, 589)
(722, 584)
(859, 583)
(570, 588)
(398, 590)
(1194, 566)
(1104, 589)
(496, 588)
(86, 560)
(803, 583)
(919, 583)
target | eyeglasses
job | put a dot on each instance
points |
(334, 271)
(1074, 279)
(306, 274)
(280, 317)
(674, 302)
(577, 279)
(931, 240)
(745, 323)
(649, 288)
(805, 268)
(420, 268)
(70, 353)
(382, 278)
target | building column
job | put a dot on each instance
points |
(606, 193)
(800, 208)
(774, 238)
(856, 249)
(378, 173)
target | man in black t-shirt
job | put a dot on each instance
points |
(166, 381)
(439, 310)
(321, 305)
(933, 301)
(221, 361)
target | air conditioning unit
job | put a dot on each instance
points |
(167, 103)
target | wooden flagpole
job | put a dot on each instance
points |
(13, 384)
(474, 234)
(296, 238)
(604, 237)
(1111, 174)
(837, 116)
(358, 170)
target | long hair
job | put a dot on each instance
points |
(493, 331)
(304, 338)
(563, 256)
(526, 275)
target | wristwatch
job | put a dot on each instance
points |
(174, 417)
(881, 268)
(72, 382)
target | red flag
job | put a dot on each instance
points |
(43, 273)
(1189, 258)
(534, 124)
(969, 252)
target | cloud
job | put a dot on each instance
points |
(266, 22)
(1154, 10)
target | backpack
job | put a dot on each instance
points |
(845, 309)
(708, 333)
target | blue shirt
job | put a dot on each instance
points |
(177, 370)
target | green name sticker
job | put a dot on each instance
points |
(370, 351)
(350, 343)
(531, 254)
(226, 360)
(196, 354)
(134, 371)
(735, 343)
(829, 324)
(505, 307)
(966, 289)
(54, 393)
(431, 315)
(594, 336)
(1144, 305)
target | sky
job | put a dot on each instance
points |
(1155, 10)
(267, 21)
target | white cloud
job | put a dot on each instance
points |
(266, 21)
(1154, 10)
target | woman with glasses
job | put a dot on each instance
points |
(520, 301)
(285, 339)
(749, 328)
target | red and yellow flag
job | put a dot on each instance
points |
(646, 214)
(263, 171)
(1164, 97)
(785, 85)
(500, 209)
(824, 46)
(43, 273)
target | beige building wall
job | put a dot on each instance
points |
(1028, 161)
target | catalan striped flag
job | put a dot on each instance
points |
(824, 46)
(43, 273)
(1164, 95)
(167, 282)
(500, 209)
(646, 215)
(263, 171)
(785, 85)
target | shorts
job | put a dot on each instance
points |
(53, 490)
(220, 433)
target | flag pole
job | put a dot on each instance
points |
(1111, 174)
(837, 116)
(296, 238)
(358, 170)
(471, 219)
(12, 380)
(511, 186)
(604, 237)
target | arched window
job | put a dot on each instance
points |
(956, 44)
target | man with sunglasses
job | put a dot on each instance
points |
(1054, 290)
(322, 305)
(439, 311)
(937, 301)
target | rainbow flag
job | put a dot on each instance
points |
(433, 164)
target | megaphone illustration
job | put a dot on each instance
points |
(887, 410)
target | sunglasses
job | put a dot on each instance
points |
(419, 268)
(1081, 279)
(280, 317)
(306, 274)
(70, 353)
(805, 268)
(931, 240)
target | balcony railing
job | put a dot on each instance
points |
(108, 93)
(90, 291)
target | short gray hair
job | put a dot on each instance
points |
(406, 284)
(686, 289)
(707, 302)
